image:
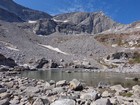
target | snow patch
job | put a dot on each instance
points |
(10, 46)
(65, 21)
(114, 45)
(54, 49)
(137, 26)
(32, 22)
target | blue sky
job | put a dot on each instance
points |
(123, 11)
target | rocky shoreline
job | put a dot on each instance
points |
(16, 90)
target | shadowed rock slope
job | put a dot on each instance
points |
(22, 12)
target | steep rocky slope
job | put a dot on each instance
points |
(82, 22)
(25, 47)
(22, 12)
(77, 38)
(8, 16)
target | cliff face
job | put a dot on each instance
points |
(81, 22)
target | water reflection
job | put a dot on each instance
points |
(91, 78)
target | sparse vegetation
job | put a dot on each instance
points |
(135, 59)
(126, 94)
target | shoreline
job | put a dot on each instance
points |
(26, 91)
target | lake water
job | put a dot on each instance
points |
(91, 78)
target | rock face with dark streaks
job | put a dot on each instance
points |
(82, 22)
(7, 61)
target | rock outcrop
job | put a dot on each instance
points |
(7, 61)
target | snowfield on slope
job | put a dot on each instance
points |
(54, 49)
(9, 46)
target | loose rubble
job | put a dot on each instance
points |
(16, 90)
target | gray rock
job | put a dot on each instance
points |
(2, 90)
(9, 84)
(76, 85)
(40, 101)
(32, 90)
(136, 88)
(61, 83)
(103, 84)
(47, 85)
(102, 101)
(4, 102)
(52, 82)
(81, 22)
(4, 95)
(58, 90)
(14, 101)
(64, 102)
(7, 61)
(40, 63)
(136, 91)
(90, 96)
(106, 94)
(118, 88)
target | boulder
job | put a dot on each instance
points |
(136, 88)
(102, 101)
(119, 55)
(52, 82)
(89, 96)
(33, 90)
(106, 94)
(53, 64)
(58, 90)
(40, 63)
(47, 85)
(76, 85)
(40, 101)
(64, 102)
(103, 84)
(4, 102)
(7, 61)
(118, 88)
(2, 90)
(9, 84)
(61, 83)
(4, 68)
(4, 95)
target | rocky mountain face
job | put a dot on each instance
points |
(81, 22)
(22, 12)
(69, 23)
(8, 16)
(76, 23)
(76, 39)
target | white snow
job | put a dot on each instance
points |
(32, 22)
(65, 21)
(12, 48)
(114, 45)
(137, 26)
(54, 49)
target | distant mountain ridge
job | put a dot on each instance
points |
(68, 23)
(22, 12)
